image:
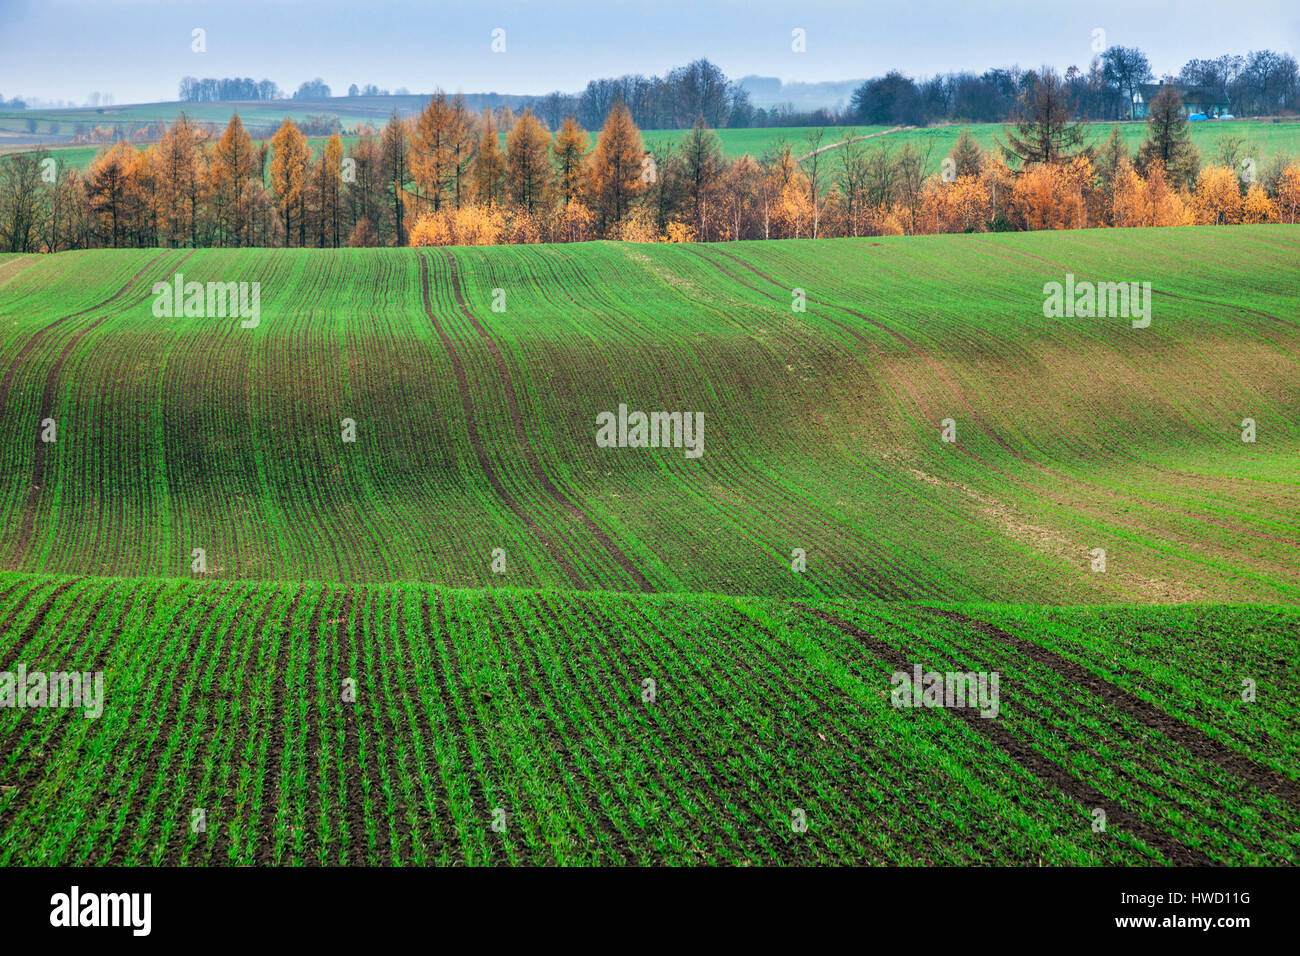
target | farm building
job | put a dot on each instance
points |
(1205, 100)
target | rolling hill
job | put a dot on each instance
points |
(476, 634)
(476, 429)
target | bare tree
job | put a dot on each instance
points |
(1126, 68)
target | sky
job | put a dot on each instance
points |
(138, 50)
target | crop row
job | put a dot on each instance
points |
(343, 724)
(475, 432)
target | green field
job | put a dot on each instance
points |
(476, 429)
(349, 110)
(500, 587)
(471, 704)
(1264, 139)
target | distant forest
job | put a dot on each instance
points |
(1262, 83)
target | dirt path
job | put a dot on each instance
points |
(1185, 735)
(852, 139)
(1051, 774)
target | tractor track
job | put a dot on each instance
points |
(28, 520)
(1185, 735)
(530, 454)
(1052, 775)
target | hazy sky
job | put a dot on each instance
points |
(139, 49)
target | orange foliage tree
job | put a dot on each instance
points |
(1218, 197)
(616, 167)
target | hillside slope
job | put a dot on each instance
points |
(476, 429)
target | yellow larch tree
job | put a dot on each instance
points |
(234, 162)
(289, 166)
(616, 167)
(570, 148)
(528, 163)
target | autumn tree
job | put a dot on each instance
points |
(664, 188)
(573, 223)
(363, 195)
(528, 162)
(1257, 207)
(142, 211)
(569, 147)
(108, 188)
(852, 180)
(912, 162)
(998, 182)
(72, 226)
(441, 150)
(813, 169)
(1288, 194)
(489, 165)
(289, 177)
(967, 157)
(1128, 206)
(790, 209)
(1146, 201)
(1218, 197)
(464, 143)
(328, 185)
(957, 206)
(1111, 158)
(616, 166)
(180, 177)
(702, 168)
(394, 148)
(1053, 195)
(740, 191)
(1167, 138)
(233, 164)
(881, 176)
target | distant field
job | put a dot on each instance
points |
(349, 110)
(1264, 139)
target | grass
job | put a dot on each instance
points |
(476, 429)
(1264, 139)
(535, 703)
(527, 690)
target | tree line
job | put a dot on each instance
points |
(444, 177)
(1264, 82)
